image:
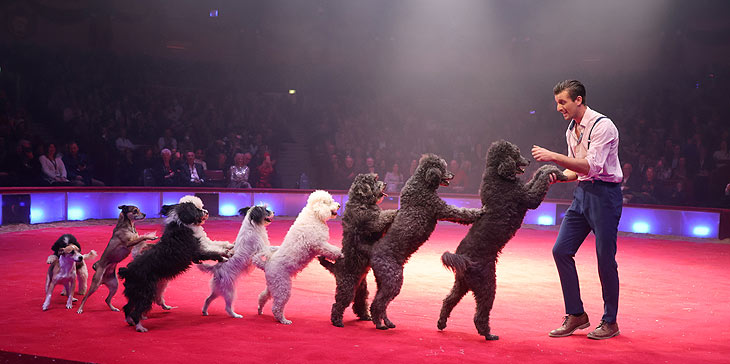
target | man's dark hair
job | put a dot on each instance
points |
(574, 87)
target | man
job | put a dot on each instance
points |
(593, 160)
(191, 172)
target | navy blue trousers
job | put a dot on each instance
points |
(596, 207)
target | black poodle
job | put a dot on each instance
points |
(178, 248)
(362, 225)
(506, 200)
(420, 209)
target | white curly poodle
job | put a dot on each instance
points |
(307, 238)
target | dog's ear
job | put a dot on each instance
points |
(507, 169)
(361, 189)
(257, 214)
(243, 211)
(165, 210)
(122, 207)
(433, 177)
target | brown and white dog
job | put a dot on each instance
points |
(63, 271)
(82, 272)
(124, 239)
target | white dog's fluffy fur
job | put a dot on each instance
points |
(252, 240)
(307, 238)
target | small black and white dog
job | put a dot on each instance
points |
(82, 271)
(252, 241)
(183, 242)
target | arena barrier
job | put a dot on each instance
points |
(49, 204)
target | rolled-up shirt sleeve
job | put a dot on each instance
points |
(603, 138)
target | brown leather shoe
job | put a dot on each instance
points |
(570, 324)
(604, 331)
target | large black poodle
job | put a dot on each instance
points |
(420, 209)
(362, 225)
(179, 246)
(506, 200)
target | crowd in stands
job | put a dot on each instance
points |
(97, 120)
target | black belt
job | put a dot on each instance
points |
(598, 181)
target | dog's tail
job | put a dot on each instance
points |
(207, 268)
(330, 266)
(455, 262)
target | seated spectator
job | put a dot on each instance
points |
(123, 143)
(631, 184)
(25, 170)
(127, 170)
(460, 176)
(166, 170)
(677, 194)
(266, 172)
(722, 155)
(662, 170)
(191, 173)
(650, 190)
(167, 141)
(54, 171)
(348, 172)
(394, 179)
(240, 171)
(200, 158)
(78, 167)
(370, 165)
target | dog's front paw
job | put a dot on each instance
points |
(151, 236)
(51, 259)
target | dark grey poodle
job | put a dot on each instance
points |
(362, 225)
(420, 209)
(506, 200)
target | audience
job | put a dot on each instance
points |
(240, 172)
(191, 173)
(54, 171)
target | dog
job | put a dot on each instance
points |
(251, 241)
(124, 239)
(63, 271)
(307, 237)
(82, 271)
(420, 209)
(507, 200)
(363, 223)
(183, 242)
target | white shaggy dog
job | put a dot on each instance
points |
(307, 238)
(251, 241)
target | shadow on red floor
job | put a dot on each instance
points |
(673, 309)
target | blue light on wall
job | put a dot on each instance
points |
(75, 214)
(36, 214)
(640, 227)
(699, 231)
(545, 220)
(228, 210)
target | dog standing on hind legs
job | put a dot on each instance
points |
(82, 271)
(252, 240)
(363, 223)
(124, 239)
(420, 209)
(506, 200)
(307, 238)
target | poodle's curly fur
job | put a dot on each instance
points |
(420, 209)
(183, 242)
(252, 240)
(307, 238)
(506, 199)
(363, 223)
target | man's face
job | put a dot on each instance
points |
(567, 106)
(190, 156)
(73, 148)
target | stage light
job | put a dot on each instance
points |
(532, 112)
(227, 210)
(292, 92)
(75, 214)
(545, 220)
(640, 227)
(36, 215)
(701, 231)
(214, 13)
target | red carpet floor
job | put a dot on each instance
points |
(673, 309)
